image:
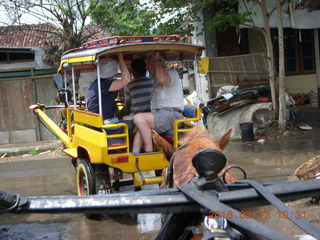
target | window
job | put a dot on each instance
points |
(3, 57)
(299, 51)
(307, 51)
(16, 55)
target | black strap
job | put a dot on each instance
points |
(170, 166)
(210, 201)
(277, 203)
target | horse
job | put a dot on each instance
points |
(183, 171)
(195, 140)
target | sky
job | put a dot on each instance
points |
(4, 20)
(29, 19)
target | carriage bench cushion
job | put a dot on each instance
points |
(188, 112)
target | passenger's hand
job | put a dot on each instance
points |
(156, 56)
(103, 60)
(120, 57)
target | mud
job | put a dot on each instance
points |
(53, 174)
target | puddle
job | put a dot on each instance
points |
(271, 161)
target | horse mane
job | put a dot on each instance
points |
(196, 133)
(161, 144)
(200, 138)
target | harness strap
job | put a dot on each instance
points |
(211, 201)
(292, 216)
(170, 166)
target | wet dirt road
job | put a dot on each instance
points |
(53, 174)
(47, 174)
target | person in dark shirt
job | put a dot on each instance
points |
(108, 70)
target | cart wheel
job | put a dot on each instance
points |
(85, 178)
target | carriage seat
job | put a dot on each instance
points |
(181, 126)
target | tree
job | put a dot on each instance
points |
(124, 18)
(282, 100)
(69, 16)
(277, 94)
(227, 15)
(180, 15)
(161, 17)
(270, 56)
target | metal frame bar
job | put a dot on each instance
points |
(159, 201)
(99, 87)
(65, 86)
(74, 88)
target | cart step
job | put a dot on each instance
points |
(71, 152)
(117, 146)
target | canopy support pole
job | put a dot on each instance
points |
(317, 58)
(99, 87)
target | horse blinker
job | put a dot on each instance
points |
(208, 163)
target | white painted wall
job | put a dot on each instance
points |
(38, 63)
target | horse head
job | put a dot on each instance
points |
(194, 141)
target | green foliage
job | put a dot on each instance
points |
(164, 17)
(34, 152)
(176, 16)
(54, 46)
(5, 155)
(227, 17)
(275, 123)
(224, 14)
(125, 18)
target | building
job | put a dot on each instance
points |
(237, 54)
(238, 57)
(25, 79)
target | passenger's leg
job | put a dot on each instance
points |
(165, 119)
(137, 143)
(144, 123)
(127, 117)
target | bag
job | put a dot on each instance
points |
(111, 120)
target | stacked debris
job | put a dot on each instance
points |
(300, 99)
(310, 97)
(230, 98)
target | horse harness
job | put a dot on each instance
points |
(170, 179)
(209, 180)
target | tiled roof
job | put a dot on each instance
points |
(25, 35)
(35, 35)
(96, 32)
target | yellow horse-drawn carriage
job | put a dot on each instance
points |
(99, 162)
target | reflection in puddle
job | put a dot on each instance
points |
(147, 223)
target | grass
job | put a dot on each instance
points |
(34, 152)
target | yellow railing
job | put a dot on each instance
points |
(124, 135)
(186, 121)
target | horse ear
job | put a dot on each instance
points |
(224, 140)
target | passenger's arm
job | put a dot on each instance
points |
(162, 77)
(125, 76)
